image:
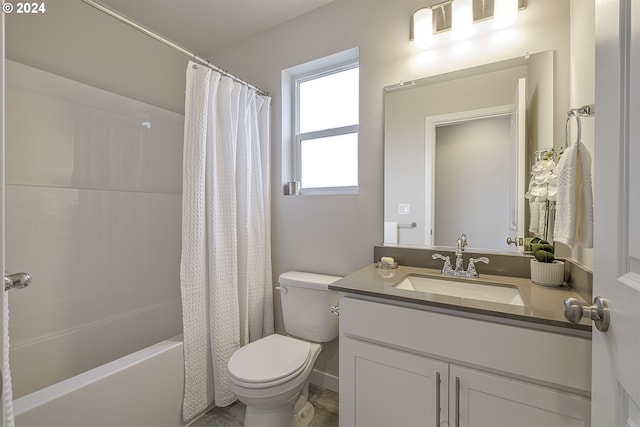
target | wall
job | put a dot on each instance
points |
(335, 234)
(583, 90)
(75, 40)
(93, 191)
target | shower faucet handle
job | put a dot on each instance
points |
(16, 281)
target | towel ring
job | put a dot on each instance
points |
(570, 114)
(584, 111)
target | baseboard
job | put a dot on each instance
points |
(325, 380)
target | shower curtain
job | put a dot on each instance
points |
(225, 270)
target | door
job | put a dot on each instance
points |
(481, 399)
(389, 387)
(3, 301)
(616, 353)
(517, 164)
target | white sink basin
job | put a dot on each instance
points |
(456, 288)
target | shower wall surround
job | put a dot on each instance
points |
(93, 205)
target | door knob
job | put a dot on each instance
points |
(518, 241)
(598, 312)
(16, 281)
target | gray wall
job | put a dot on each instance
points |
(76, 41)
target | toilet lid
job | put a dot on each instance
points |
(269, 359)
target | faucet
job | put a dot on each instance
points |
(459, 270)
(462, 242)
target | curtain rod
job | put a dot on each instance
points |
(169, 43)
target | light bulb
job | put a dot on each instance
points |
(423, 28)
(461, 19)
(505, 13)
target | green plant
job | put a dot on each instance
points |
(542, 250)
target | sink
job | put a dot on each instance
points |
(503, 294)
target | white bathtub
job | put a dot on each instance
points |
(138, 390)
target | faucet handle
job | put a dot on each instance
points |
(446, 269)
(471, 268)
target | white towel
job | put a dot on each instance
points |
(390, 233)
(574, 205)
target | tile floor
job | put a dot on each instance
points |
(324, 401)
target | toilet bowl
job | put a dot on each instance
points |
(271, 375)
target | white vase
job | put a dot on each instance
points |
(547, 273)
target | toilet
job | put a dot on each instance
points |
(271, 375)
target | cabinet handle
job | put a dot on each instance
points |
(437, 399)
(457, 415)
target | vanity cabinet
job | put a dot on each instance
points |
(406, 367)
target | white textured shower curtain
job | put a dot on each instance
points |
(225, 270)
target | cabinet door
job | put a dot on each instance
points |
(487, 400)
(381, 386)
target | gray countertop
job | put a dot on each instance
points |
(542, 305)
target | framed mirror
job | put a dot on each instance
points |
(458, 149)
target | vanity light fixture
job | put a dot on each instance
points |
(459, 16)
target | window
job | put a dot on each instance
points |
(326, 115)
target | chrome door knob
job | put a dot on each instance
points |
(598, 312)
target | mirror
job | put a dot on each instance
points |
(457, 152)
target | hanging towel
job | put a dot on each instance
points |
(574, 204)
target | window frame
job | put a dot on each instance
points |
(342, 130)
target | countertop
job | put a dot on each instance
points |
(542, 305)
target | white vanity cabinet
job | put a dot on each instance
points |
(407, 367)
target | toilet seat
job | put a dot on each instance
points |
(269, 361)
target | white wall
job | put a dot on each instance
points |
(335, 234)
(583, 90)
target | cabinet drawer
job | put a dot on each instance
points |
(544, 356)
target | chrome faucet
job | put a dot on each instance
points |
(462, 242)
(459, 270)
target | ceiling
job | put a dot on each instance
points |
(205, 26)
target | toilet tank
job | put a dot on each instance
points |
(306, 300)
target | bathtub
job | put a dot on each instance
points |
(138, 390)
